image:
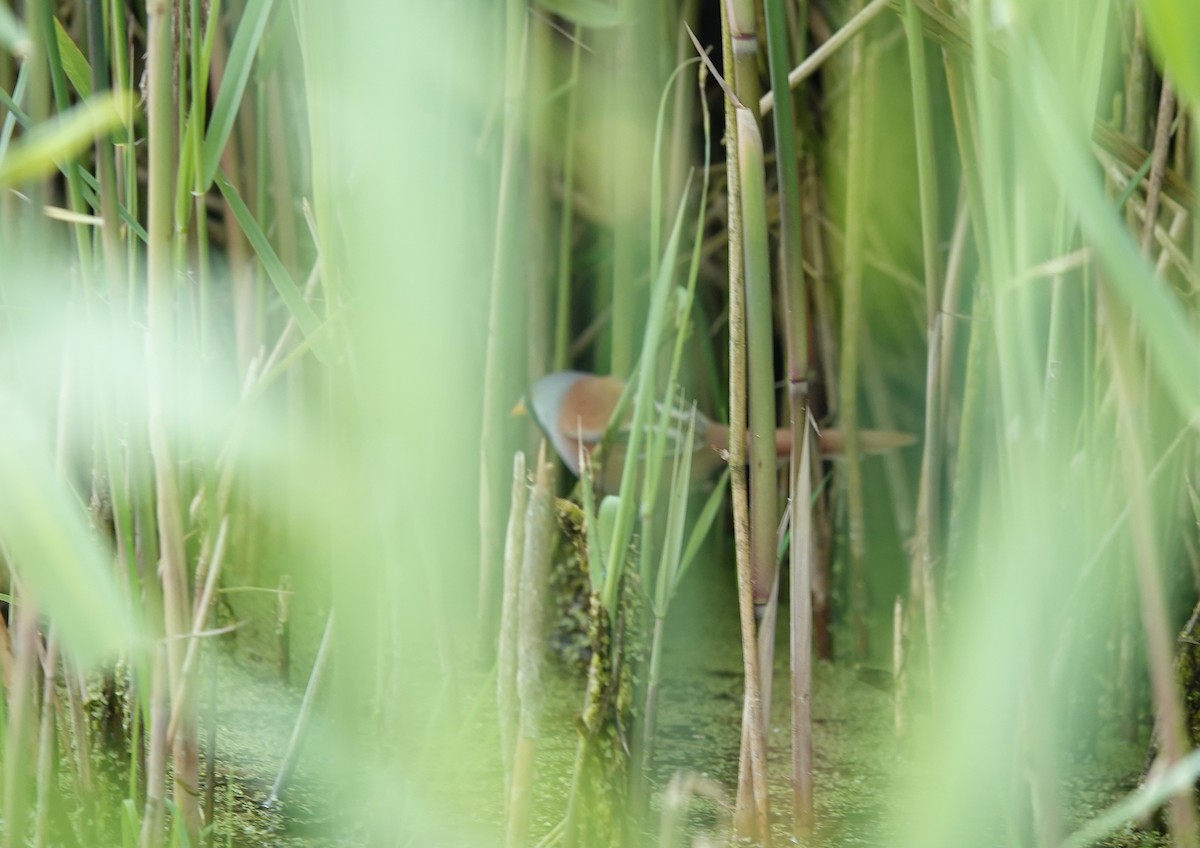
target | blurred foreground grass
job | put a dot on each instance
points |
(273, 273)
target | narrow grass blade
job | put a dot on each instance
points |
(289, 292)
(233, 86)
(78, 71)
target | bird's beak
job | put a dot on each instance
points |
(519, 409)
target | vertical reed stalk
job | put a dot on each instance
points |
(562, 302)
(752, 810)
(852, 318)
(1169, 716)
(160, 318)
(491, 435)
(535, 568)
(506, 672)
(760, 331)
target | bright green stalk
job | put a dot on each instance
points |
(642, 409)
(926, 168)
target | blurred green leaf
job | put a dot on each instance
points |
(233, 86)
(79, 72)
(47, 540)
(587, 13)
(13, 37)
(1174, 30)
(306, 319)
(42, 148)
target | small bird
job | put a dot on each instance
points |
(573, 409)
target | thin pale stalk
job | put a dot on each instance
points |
(751, 811)
(495, 360)
(1162, 142)
(20, 706)
(926, 167)
(819, 56)
(160, 319)
(535, 568)
(506, 672)
(562, 303)
(852, 318)
(801, 565)
(156, 758)
(1169, 715)
(46, 742)
(302, 717)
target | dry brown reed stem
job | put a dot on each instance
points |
(747, 812)
(506, 661)
(1169, 719)
(1162, 141)
(535, 569)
